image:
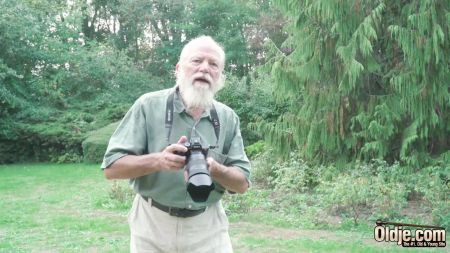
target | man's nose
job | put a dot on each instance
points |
(204, 67)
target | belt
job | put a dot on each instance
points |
(175, 211)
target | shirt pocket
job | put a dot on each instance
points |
(220, 158)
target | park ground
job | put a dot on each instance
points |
(72, 208)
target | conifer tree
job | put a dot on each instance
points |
(365, 79)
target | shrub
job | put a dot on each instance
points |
(434, 183)
(347, 196)
(365, 190)
(94, 146)
(67, 158)
(251, 98)
(255, 149)
(50, 141)
(262, 169)
(293, 174)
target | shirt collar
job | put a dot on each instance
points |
(179, 107)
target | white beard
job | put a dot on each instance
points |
(197, 96)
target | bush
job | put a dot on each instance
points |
(296, 175)
(255, 149)
(50, 141)
(94, 146)
(292, 174)
(251, 99)
(365, 190)
(434, 183)
(347, 196)
(45, 116)
(375, 191)
(67, 158)
(262, 171)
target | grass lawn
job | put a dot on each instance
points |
(68, 208)
(57, 208)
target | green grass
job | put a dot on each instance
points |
(47, 207)
(308, 245)
(68, 208)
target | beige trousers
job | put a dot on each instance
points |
(153, 230)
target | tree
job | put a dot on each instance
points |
(225, 21)
(365, 79)
(67, 67)
(55, 83)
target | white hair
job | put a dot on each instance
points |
(202, 40)
(199, 96)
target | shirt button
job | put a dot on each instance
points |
(189, 206)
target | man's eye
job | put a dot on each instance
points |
(196, 60)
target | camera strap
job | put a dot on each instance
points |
(169, 117)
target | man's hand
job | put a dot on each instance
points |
(169, 159)
(215, 167)
(228, 176)
(133, 166)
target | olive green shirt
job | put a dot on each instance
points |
(143, 131)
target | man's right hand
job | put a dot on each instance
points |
(133, 166)
(170, 160)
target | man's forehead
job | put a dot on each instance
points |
(203, 50)
(202, 46)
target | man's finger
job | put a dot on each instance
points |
(182, 140)
(176, 158)
(175, 166)
(176, 148)
(210, 161)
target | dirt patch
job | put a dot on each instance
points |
(418, 209)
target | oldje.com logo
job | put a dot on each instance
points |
(410, 235)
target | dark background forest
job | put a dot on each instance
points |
(329, 93)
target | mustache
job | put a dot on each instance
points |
(202, 77)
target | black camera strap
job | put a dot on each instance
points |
(169, 117)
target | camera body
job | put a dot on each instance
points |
(199, 183)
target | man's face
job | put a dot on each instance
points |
(203, 67)
(199, 76)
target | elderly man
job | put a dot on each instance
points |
(148, 148)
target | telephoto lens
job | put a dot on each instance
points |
(199, 184)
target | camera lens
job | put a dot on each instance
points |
(199, 180)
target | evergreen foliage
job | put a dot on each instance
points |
(250, 102)
(365, 79)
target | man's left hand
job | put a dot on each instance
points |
(215, 167)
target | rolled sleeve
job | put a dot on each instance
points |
(236, 154)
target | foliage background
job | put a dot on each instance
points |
(365, 80)
(345, 100)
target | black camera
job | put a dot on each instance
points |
(199, 183)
